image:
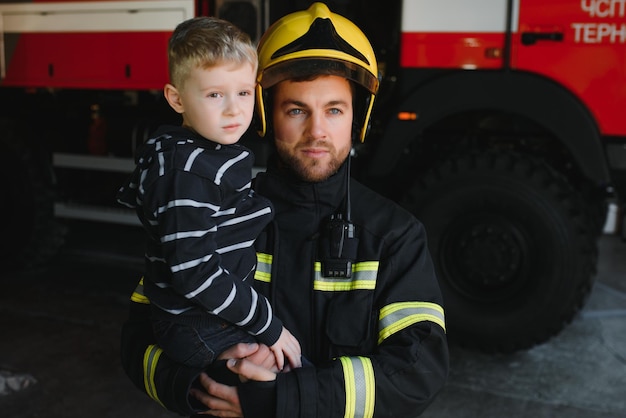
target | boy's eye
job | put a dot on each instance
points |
(213, 95)
(245, 93)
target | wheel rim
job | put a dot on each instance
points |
(485, 257)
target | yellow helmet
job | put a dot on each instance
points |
(316, 41)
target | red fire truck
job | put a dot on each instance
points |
(498, 124)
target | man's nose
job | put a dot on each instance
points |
(318, 125)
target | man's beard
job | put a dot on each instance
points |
(308, 170)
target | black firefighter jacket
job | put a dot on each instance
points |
(377, 338)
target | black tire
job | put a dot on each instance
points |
(30, 233)
(597, 206)
(514, 250)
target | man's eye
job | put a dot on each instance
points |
(295, 111)
(335, 111)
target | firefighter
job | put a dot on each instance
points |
(347, 270)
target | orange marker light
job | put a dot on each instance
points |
(407, 116)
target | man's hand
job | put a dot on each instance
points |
(222, 400)
(258, 354)
(240, 350)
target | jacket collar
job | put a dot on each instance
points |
(288, 193)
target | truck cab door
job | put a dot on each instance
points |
(580, 44)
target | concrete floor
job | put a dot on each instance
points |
(60, 333)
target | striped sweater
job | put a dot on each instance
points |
(194, 200)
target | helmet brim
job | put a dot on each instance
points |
(311, 67)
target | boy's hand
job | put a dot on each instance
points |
(289, 347)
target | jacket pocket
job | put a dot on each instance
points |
(350, 318)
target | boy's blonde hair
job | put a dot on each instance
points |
(204, 42)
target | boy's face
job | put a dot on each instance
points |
(312, 123)
(218, 102)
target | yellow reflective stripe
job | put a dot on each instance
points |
(150, 361)
(366, 265)
(138, 294)
(364, 276)
(360, 387)
(263, 271)
(400, 315)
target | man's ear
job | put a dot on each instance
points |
(173, 98)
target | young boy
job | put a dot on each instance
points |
(191, 190)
